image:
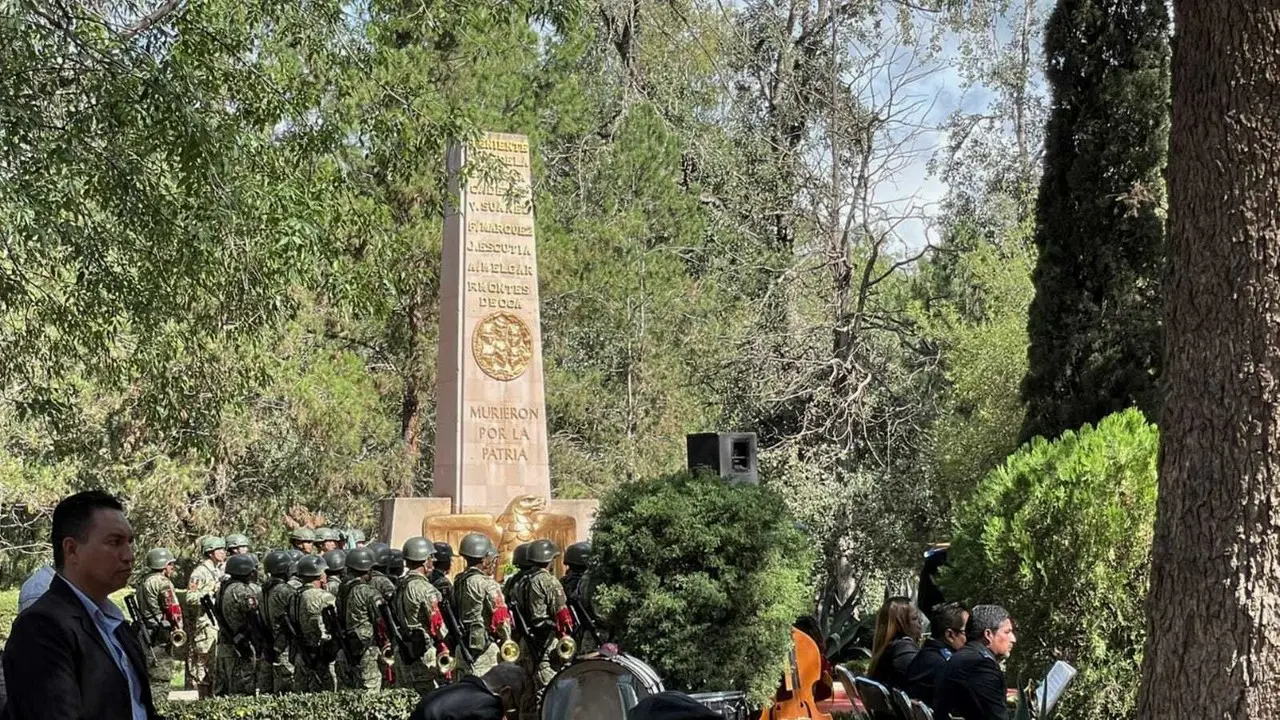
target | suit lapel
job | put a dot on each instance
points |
(63, 591)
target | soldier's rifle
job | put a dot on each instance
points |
(295, 633)
(583, 619)
(329, 616)
(260, 635)
(139, 627)
(460, 646)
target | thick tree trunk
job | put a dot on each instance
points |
(1213, 617)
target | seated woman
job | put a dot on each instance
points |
(896, 643)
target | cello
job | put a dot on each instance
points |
(805, 678)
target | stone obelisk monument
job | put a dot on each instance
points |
(491, 472)
(491, 414)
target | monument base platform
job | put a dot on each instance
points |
(527, 518)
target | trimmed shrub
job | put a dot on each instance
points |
(385, 705)
(702, 580)
(1060, 535)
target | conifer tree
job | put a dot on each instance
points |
(1094, 325)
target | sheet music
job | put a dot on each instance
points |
(1055, 682)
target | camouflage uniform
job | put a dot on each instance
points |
(333, 585)
(153, 593)
(385, 586)
(277, 677)
(357, 603)
(441, 582)
(202, 636)
(237, 666)
(543, 604)
(417, 610)
(313, 651)
(480, 608)
(577, 587)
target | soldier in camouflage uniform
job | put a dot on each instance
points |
(385, 586)
(577, 591)
(294, 556)
(328, 539)
(358, 664)
(336, 562)
(511, 591)
(239, 648)
(302, 539)
(237, 544)
(153, 597)
(202, 635)
(481, 610)
(395, 564)
(543, 604)
(441, 564)
(417, 611)
(314, 647)
(277, 594)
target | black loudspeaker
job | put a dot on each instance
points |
(732, 456)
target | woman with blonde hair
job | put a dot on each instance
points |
(897, 640)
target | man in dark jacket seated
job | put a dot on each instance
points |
(971, 684)
(946, 635)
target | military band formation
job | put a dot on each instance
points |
(335, 612)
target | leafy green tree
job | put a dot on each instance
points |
(1095, 322)
(1060, 535)
(702, 579)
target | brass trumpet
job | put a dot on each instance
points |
(177, 638)
(510, 651)
(566, 648)
(388, 655)
(445, 662)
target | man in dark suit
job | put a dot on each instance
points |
(971, 684)
(946, 636)
(71, 656)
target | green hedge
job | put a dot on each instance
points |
(385, 705)
(702, 579)
(8, 611)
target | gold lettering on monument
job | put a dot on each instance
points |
(499, 268)
(499, 248)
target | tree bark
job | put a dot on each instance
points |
(1213, 615)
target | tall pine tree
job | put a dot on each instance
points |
(1094, 325)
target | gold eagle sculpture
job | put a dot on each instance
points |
(523, 521)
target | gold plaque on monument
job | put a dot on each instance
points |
(502, 346)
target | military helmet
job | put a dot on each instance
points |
(324, 533)
(417, 549)
(239, 566)
(334, 560)
(381, 557)
(311, 567)
(491, 551)
(542, 551)
(520, 556)
(209, 543)
(159, 559)
(302, 534)
(235, 540)
(360, 559)
(378, 549)
(474, 546)
(353, 536)
(395, 563)
(278, 563)
(294, 554)
(443, 551)
(578, 555)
